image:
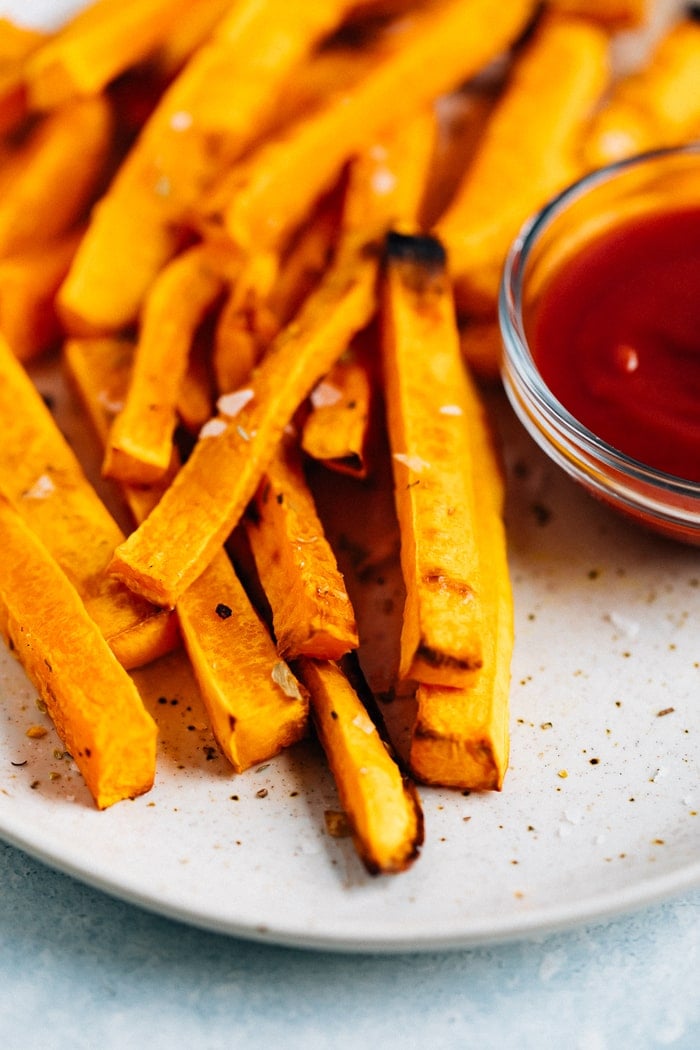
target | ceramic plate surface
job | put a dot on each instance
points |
(599, 812)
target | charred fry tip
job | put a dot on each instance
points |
(432, 657)
(404, 858)
(421, 250)
(692, 12)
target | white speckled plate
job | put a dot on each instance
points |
(599, 812)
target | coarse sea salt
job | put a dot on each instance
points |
(325, 394)
(283, 677)
(181, 121)
(383, 181)
(42, 488)
(414, 463)
(212, 428)
(364, 723)
(162, 186)
(231, 404)
(112, 405)
(624, 624)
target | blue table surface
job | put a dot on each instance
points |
(79, 969)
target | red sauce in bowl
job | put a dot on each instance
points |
(616, 338)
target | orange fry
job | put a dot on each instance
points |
(442, 633)
(28, 286)
(16, 45)
(140, 441)
(554, 85)
(43, 479)
(246, 324)
(445, 44)
(307, 259)
(311, 610)
(222, 100)
(382, 807)
(194, 25)
(461, 117)
(17, 42)
(388, 180)
(44, 192)
(254, 705)
(197, 395)
(461, 736)
(337, 430)
(95, 46)
(93, 703)
(656, 106)
(172, 546)
(616, 14)
(480, 340)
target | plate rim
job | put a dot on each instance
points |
(539, 922)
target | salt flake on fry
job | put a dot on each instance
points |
(414, 463)
(212, 428)
(231, 404)
(41, 489)
(325, 394)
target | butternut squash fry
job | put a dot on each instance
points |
(140, 441)
(482, 349)
(460, 736)
(330, 74)
(255, 705)
(554, 86)
(444, 45)
(16, 45)
(13, 99)
(383, 808)
(246, 324)
(44, 192)
(307, 259)
(442, 634)
(42, 478)
(209, 495)
(658, 105)
(100, 370)
(615, 14)
(93, 703)
(95, 46)
(388, 179)
(336, 431)
(17, 42)
(311, 610)
(386, 186)
(222, 101)
(28, 285)
(461, 117)
(255, 708)
(197, 396)
(192, 29)
(334, 69)
(133, 245)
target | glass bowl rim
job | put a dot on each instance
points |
(519, 372)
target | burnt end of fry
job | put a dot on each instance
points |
(417, 249)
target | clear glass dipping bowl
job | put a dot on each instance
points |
(662, 180)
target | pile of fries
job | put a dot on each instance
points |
(260, 236)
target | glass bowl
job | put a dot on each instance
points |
(651, 183)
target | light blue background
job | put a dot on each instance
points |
(81, 970)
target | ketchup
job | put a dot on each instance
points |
(616, 338)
